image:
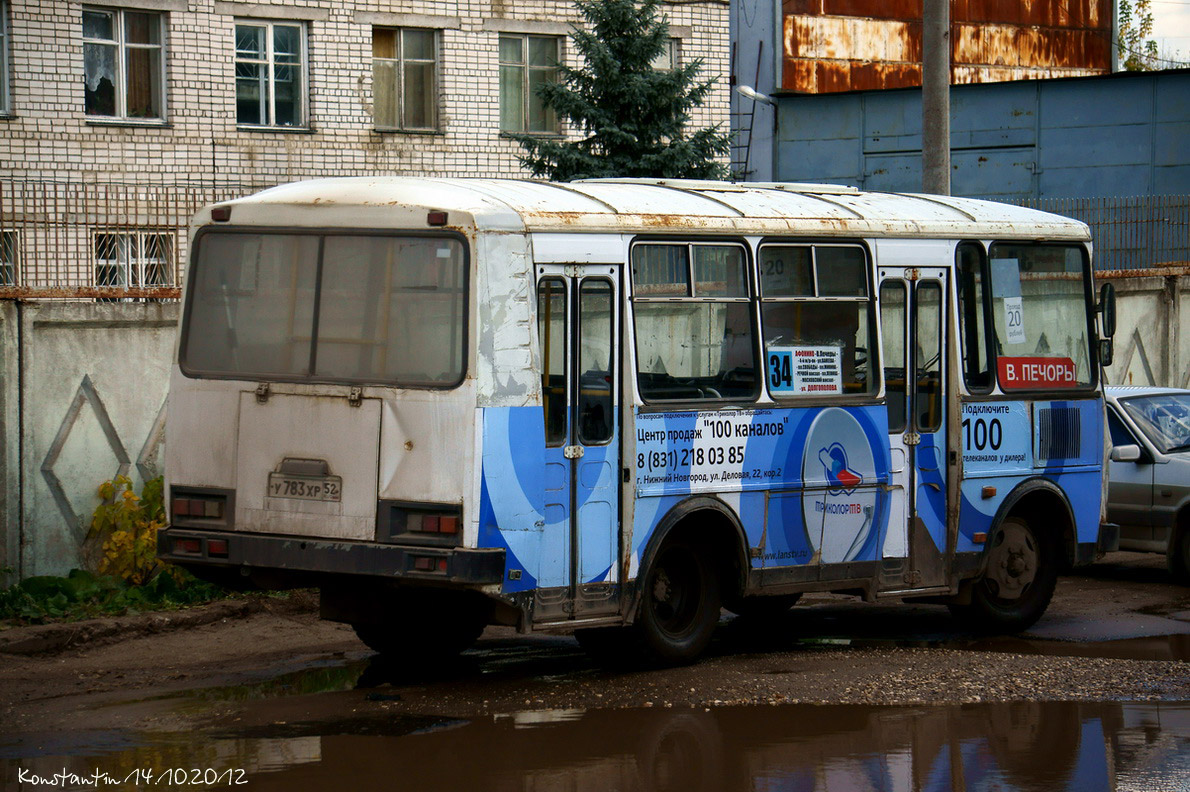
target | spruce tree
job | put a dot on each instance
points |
(632, 117)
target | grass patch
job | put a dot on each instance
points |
(86, 595)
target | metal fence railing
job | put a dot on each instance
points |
(103, 240)
(98, 240)
(1130, 233)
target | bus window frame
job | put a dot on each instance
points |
(750, 299)
(321, 233)
(576, 324)
(989, 349)
(875, 354)
(1088, 301)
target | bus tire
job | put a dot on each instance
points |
(679, 604)
(1017, 583)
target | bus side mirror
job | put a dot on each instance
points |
(1106, 352)
(1107, 307)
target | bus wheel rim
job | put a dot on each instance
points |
(674, 592)
(1012, 561)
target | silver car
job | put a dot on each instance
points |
(1149, 475)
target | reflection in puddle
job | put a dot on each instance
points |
(1015, 746)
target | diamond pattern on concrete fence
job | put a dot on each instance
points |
(86, 395)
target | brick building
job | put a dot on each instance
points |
(119, 119)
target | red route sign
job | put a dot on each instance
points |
(1037, 372)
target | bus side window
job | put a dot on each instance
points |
(551, 335)
(693, 322)
(595, 310)
(892, 322)
(815, 314)
(928, 312)
(972, 310)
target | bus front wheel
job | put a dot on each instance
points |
(679, 604)
(1017, 583)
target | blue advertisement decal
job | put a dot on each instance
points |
(740, 450)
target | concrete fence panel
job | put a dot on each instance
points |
(93, 381)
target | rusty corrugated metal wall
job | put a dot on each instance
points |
(853, 45)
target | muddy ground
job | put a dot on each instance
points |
(1117, 631)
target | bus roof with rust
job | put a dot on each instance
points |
(653, 205)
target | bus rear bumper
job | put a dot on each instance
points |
(304, 560)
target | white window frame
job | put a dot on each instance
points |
(526, 94)
(399, 65)
(122, 47)
(10, 258)
(269, 63)
(131, 268)
(670, 57)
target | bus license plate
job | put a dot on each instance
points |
(315, 488)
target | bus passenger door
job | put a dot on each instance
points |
(578, 330)
(912, 314)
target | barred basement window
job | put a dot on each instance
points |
(404, 78)
(133, 259)
(9, 251)
(123, 64)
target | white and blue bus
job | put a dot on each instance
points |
(613, 407)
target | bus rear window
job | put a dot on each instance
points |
(327, 308)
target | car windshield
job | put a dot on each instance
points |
(1164, 418)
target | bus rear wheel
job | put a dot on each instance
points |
(679, 604)
(1017, 583)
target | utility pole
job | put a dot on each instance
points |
(935, 97)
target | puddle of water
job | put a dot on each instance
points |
(1080, 747)
(1159, 647)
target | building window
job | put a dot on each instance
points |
(123, 63)
(525, 63)
(270, 74)
(404, 79)
(669, 59)
(133, 259)
(9, 269)
(4, 106)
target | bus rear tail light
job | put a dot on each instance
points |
(433, 564)
(217, 548)
(188, 547)
(199, 507)
(205, 507)
(428, 524)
